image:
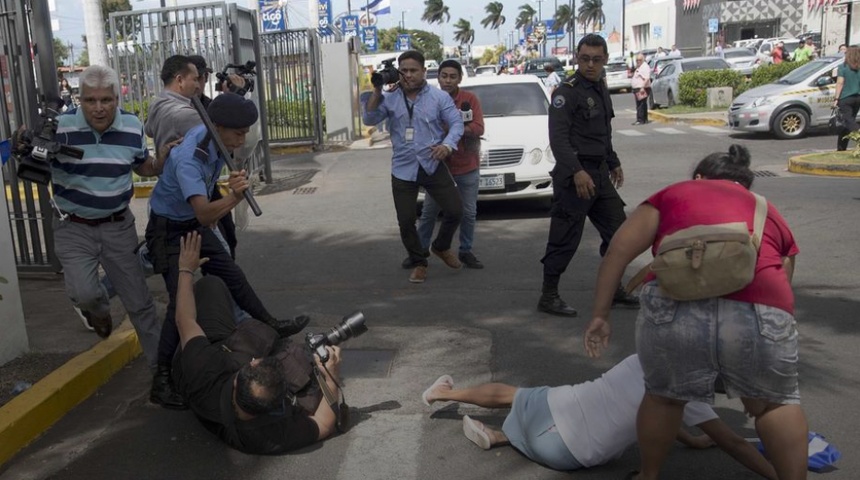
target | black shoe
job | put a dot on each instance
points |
(553, 304)
(290, 326)
(408, 263)
(163, 393)
(469, 261)
(103, 325)
(624, 299)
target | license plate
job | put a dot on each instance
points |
(491, 182)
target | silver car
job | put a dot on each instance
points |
(742, 60)
(790, 106)
(664, 88)
(617, 75)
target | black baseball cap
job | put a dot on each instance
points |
(200, 63)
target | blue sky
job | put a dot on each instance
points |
(72, 22)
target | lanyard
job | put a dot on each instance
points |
(409, 107)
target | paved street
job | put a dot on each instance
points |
(335, 248)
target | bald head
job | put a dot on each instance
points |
(640, 58)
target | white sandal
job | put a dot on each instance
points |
(476, 433)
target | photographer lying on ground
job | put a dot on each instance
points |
(254, 390)
(585, 425)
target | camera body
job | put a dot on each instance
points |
(35, 149)
(388, 75)
(246, 71)
(351, 326)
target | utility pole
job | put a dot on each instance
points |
(403, 20)
(540, 20)
(95, 28)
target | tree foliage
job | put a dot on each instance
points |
(492, 55)
(61, 52)
(526, 16)
(494, 18)
(127, 27)
(591, 12)
(435, 11)
(428, 43)
(464, 34)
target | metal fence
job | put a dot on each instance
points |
(29, 207)
(221, 33)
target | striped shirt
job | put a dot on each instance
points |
(100, 183)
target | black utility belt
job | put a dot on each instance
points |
(93, 222)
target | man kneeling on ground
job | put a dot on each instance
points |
(252, 403)
(585, 425)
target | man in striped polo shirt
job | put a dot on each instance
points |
(95, 226)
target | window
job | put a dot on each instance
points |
(642, 34)
(710, 64)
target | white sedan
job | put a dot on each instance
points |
(515, 154)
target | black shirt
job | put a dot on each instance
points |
(580, 129)
(206, 382)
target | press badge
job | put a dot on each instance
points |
(410, 134)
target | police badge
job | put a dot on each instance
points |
(558, 101)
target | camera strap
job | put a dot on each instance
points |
(409, 106)
(338, 404)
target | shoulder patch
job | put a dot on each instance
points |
(558, 101)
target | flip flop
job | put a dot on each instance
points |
(475, 433)
(444, 379)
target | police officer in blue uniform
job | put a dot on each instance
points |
(586, 174)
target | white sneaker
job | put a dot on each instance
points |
(84, 319)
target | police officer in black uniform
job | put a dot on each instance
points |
(586, 173)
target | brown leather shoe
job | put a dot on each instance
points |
(418, 275)
(448, 256)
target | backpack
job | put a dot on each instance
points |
(707, 261)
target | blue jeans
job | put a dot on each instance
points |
(467, 185)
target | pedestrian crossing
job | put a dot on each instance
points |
(674, 130)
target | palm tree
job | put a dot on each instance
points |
(565, 17)
(435, 11)
(526, 16)
(591, 12)
(494, 18)
(464, 34)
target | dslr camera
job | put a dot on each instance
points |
(388, 75)
(351, 326)
(34, 150)
(246, 71)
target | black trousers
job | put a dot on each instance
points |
(642, 108)
(220, 264)
(444, 191)
(567, 220)
(848, 108)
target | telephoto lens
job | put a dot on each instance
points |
(351, 326)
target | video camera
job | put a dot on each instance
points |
(245, 71)
(388, 75)
(35, 149)
(351, 326)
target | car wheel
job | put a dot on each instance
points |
(791, 123)
(670, 99)
(651, 104)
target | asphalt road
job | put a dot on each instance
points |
(335, 248)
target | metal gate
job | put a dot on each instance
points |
(222, 34)
(291, 60)
(29, 207)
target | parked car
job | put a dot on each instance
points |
(432, 76)
(742, 60)
(792, 105)
(618, 75)
(657, 64)
(535, 66)
(664, 88)
(766, 49)
(486, 70)
(515, 154)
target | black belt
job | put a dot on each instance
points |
(93, 222)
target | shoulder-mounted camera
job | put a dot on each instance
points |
(388, 75)
(35, 149)
(246, 71)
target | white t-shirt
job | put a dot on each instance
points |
(597, 419)
(552, 80)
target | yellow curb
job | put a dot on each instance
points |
(803, 164)
(32, 412)
(664, 118)
(291, 150)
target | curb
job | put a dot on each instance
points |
(664, 118)
(800, 164)
(32, 412)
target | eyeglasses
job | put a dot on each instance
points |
(592, 60)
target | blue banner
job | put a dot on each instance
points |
(273, 17)
(349, 25)
(404, 42)
(325, 18)
(368, 38)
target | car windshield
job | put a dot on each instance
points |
(790, 47)
(803, 72)
(510, 99)
(738, 54)
(708, 64)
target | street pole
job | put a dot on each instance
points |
(623, 15)
(540, 20)
(403, 20)
(95, 28)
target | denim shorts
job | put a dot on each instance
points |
(684, 346)
(531, 429)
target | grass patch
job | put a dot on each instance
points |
(832, 158)
(682, 109)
